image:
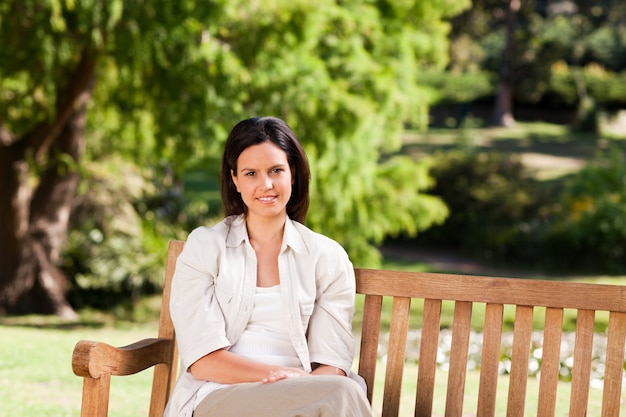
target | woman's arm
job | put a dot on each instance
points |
(194, 307)
(329, 332)
(229, 368)
(327, 370)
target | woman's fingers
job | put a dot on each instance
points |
(283, 374)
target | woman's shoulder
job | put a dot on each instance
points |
(316, 241)
(216, 233)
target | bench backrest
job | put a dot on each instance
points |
(403, 288)
(465, 291)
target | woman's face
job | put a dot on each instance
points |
(264, 180)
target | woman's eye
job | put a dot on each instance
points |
(250, 174)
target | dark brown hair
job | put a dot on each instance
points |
(255, 131)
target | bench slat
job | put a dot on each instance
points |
(369, 341)
(614, 365)
(165, 374)
(490, 360)
(395, 355)
(522, 333)
(458, 358)
(427, 369)
(550, 362)
(493, 290)
(583, 348)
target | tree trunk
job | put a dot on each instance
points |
(34, 224)
(503, 107)
(14, 199)
(30, 280)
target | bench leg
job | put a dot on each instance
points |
(96, 396)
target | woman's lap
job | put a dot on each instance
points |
(318, 396)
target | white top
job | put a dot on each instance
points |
(265, 338)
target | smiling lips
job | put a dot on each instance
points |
(267, 199)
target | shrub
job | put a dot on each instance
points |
(490, 197)
(121, 223)
(588, 230)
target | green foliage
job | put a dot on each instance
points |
(41, 44)
(563, 84)
(496, 213)
(450, 87)
(347, 96)
(506, 214)
(106, 226)
(537, 41)
(591, 88)
(605, 87)
(173, 78)
(342, 75)
(489, 195)
(606, 46)
(589, 230)
(547, 36)
(122, 222)
(395, 205)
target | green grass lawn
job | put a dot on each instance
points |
(36, 377)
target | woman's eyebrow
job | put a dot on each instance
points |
(271, 167)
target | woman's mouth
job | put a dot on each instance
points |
(267, 199)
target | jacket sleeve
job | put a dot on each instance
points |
(197, 317)
(329, 335)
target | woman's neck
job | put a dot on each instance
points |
(262, 230)
(266, 238)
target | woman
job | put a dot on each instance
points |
(263, 306)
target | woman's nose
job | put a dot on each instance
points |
(267, 183)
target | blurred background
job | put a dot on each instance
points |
(490, 131)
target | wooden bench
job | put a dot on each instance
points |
(96, 362)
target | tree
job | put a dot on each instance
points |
(166, 79)
(147, 61)
(503, 107)
(522, 40)
(43, 125)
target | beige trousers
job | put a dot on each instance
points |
(314, 396)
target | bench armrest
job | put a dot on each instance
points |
(93, 359)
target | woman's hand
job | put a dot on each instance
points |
(226, 367)
(284, 373)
